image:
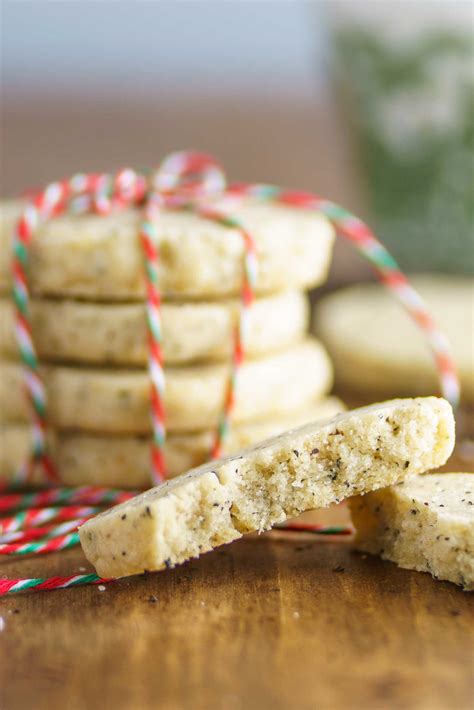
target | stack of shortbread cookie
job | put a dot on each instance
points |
(89, 328)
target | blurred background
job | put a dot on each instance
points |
(368, 103)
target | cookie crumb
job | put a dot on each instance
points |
(101, 588)
(2, 623)
(296, 615)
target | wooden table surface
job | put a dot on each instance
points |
(276, 621)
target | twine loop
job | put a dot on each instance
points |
(188, 176)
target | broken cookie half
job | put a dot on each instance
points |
(306, 468)
(426, 523)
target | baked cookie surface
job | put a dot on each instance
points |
(118, 400)
(99, 258)
(115, 334)
(310, 467)
(376, 347)
(425, 524)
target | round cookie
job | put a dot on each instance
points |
(88, 459)
(99, 258)
(108, 333)
(93, 399)
(376, 348)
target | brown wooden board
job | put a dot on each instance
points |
(276, 621)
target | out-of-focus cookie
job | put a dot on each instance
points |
(378, 350)
(115, 334)
(99, 258)
(118, 400)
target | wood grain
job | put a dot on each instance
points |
(264, 623)
(276, 621)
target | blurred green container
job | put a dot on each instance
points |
(405, 75)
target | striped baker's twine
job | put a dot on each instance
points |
(42, 532)
(83, 495)
(38, 517)
(385, 266)
(8, 586)
(52, 202)
(184, 181)
(42, 547)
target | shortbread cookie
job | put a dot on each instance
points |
(100, 333)
(377, 348)
(100, 258)
(426, 523)
(124, 461)
(119, 400)
(306, 468)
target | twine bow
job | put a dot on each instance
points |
(190, 181)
